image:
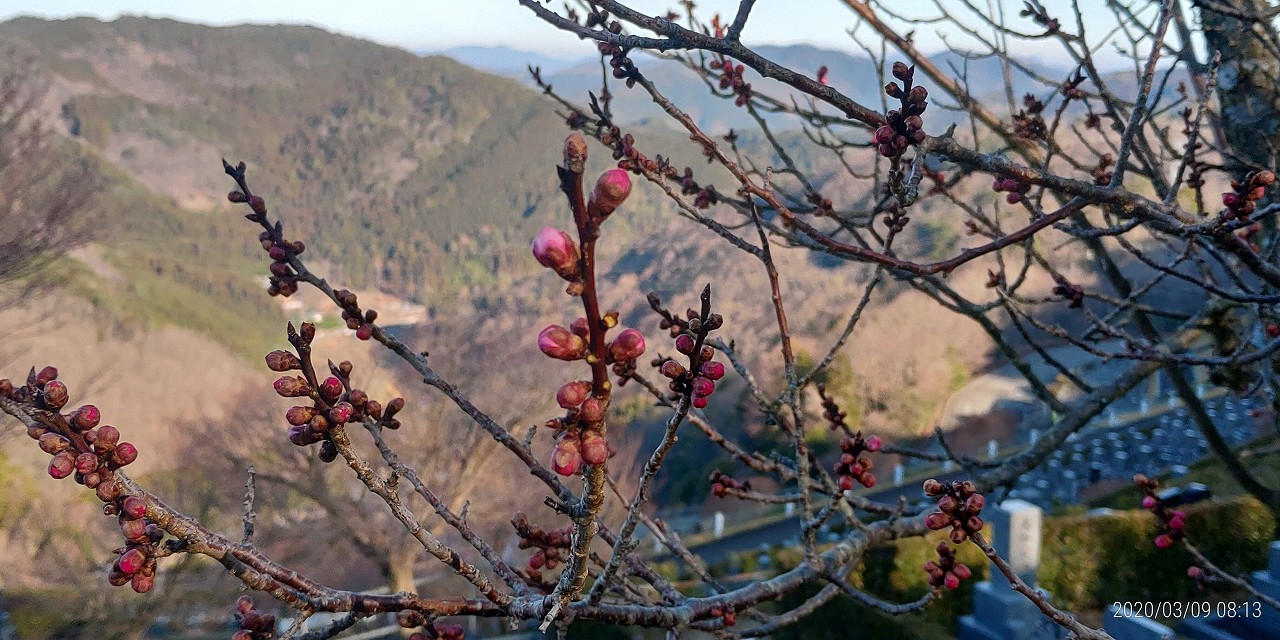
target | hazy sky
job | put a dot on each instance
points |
(439, 24)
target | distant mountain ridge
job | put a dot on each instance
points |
(506, 61)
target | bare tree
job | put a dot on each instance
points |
(1104, 236)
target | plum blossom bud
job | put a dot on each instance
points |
(125, 454)
(292, 387)
(575, 150)
(556, 250)
(566, 459)
(133, 507)
(561, 344)
(672, 369)
(131, 562)
(685, 343)
(55, 395)
(1164, 541)
(592, 411)
(873, 443)
(573, 393)
(331, 387)
(1148, 502)
(341, 413)
(283, 361)
(713, 370)
(595, 450)
(300, 415)
(937, 520)
(611, 190)
(62, 465)
(629, 345)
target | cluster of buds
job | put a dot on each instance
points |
(435, 631)
(946, 571)
(853, 466)
(254, 625)
(959, 504)
(334, 402)
(1102, 171)
(283, 281)
(1014, 190)
(1074, 293)
(727, 614)
(903, 126)
(1242, 199)
(731, 77)
(721, 484)
(632, 159)
(359, 321)
(1029, 121)
(698, 378)
(1172, 521)
(91, 454)
(831, 411)
(552, 546)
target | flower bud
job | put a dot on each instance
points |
(592, 411)
(918, 94)
(611, 190)
(629, 345)
(133, 507)
(1265, 177)
(86, 463)
(62, 465)
(1148, 502)
(975, 503)
(947, 504)
(884, 134)
(53, 444)
(685, 343)
(46, 375)
(937, 520)
(958, 536)
(575, 150)
(561, 344)
(364, 331)
(1163, 541)
(280, 360)
(341, 413)
(556, 250)
(131, 562)
(1230, 199)
(873, 443)
(124, 454)
(573, 393)
(974, 523)
(713, 370)
(700, 402)
(579, 328)
(108, 490)
(142, 583)
(297, 416)
(292, 387)
(134, 530)
(703, 387)
(902, 72)
(408, 619)
(55, 395)
(566, 459)
(595, 450)
(868, 480)
(331, 388)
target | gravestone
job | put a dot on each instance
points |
(993, 449)
(717, 525)
(1134, 627)
(898, 473)
(1033, 436)
(1265, 625)
(999, 612)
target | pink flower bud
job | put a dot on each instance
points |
(611, 190)
(282, 361)
(300, 415)
(86, 463)
(573, 393)
(846, 483)
(62, 465)
(341, 413)
(1163, 541)
(331, 388)
(579, 328)
(364, 331)
(125, 454)
(46, 374)
(873, 443)
(133, 507)
(951, 580)
(566, 459)
(131, 562)
(595, 450)
(937, 520)
(1148, 502)
(713, 370)
(685, 343)
(592, 411)
(134, 530)
(700, 402)
(1177, 523)
(561, 344)
(55, 395)
(86, 417)
(1230, 199)
(556, 250)
(974, 523)
(947, 504)
(975, 503)
(629, 345)
(141, 582)
(962, 571)
(884, 134)
(703, 387)
(868, 480)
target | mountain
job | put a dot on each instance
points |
(506, 61)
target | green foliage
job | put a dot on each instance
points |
(1089, 562)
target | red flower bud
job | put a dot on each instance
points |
(958, 536)
(55, 395)
(300, 415)
(700, 402)
(556, 250)
(873, 443)
(53, 444)
(975, 503)
(331, 388)
(947, 504)
(62, 465)
(125, 454)
(672, 369)
(566, 459)
(629, 345)
(573, 393)
(141, 582)
(962, 571)
(365, 331)
(974, 523)
(713, 370)
(46, 375)
(846, 483)
(1230, 199)
(703, 387)
(1148, 502)
(86, 463)
(868, 480)
(341, 413)
(611, 190)
(131, 562)
(1176, 523)
(951, 581)
(595, 450)
(1163, 541)
(937, 520)
(561, 344)
(133, 507)
(134, 530)
(932, 487)
(1265, 177)
(884, 135)
(685, 343)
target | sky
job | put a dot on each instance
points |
(432, 25)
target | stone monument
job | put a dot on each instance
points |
(999, 612)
